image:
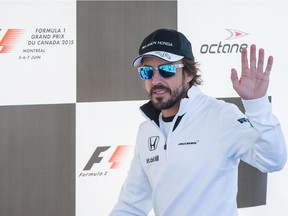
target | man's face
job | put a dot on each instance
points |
(166, 93)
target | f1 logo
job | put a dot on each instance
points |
(153, 142)
(9, 39)
(116, 159)
(95, 158)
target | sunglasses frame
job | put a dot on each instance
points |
(160, 70)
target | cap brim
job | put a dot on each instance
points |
(170, 57)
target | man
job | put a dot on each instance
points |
(188, 150)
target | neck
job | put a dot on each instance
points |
(171, 111)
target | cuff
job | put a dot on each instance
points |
(257, 106)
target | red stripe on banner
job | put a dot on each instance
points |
(10, 38)
(119, 156)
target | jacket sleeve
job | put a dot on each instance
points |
(135, 194)
(268, 152)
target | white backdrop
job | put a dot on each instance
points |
(258, 22)
(98, 125)
(43, 59)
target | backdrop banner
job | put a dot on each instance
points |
(37, 52)
(218, 30)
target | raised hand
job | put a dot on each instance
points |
(254, 81)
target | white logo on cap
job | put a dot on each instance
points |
(163, 54)
(149, 44)
(164, 43)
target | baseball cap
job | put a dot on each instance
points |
(167, 44)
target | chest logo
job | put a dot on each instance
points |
(244, 120)
(153, 143)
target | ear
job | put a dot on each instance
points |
(188, 77)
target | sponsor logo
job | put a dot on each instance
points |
(235, 34)
(188, 143)
(163, 43)
(153, 142)
(152, 159)
(244, 120)
(9, 40)
(163, 54)
(114, 160)
(225, 47)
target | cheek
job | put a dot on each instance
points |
(148, 85)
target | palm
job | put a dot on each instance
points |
(254, 81)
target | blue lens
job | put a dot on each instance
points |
(167, 71)
(146, 73)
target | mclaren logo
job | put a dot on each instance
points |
(153, 142)
(235, 34)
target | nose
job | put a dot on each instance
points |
(156, 77)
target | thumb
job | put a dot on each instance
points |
(234, 78)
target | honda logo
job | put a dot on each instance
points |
(153, 142)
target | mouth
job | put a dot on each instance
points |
(159, 91)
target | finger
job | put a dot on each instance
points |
(269, 66)
(234, 78)
(260, 65)
(244, 59)
(253, 56)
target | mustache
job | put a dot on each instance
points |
(159, 87)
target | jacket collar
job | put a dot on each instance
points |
(153, 114)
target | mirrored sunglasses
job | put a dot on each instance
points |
(165, 71)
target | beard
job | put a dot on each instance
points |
(175, 96)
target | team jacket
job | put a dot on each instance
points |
(193, 171)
